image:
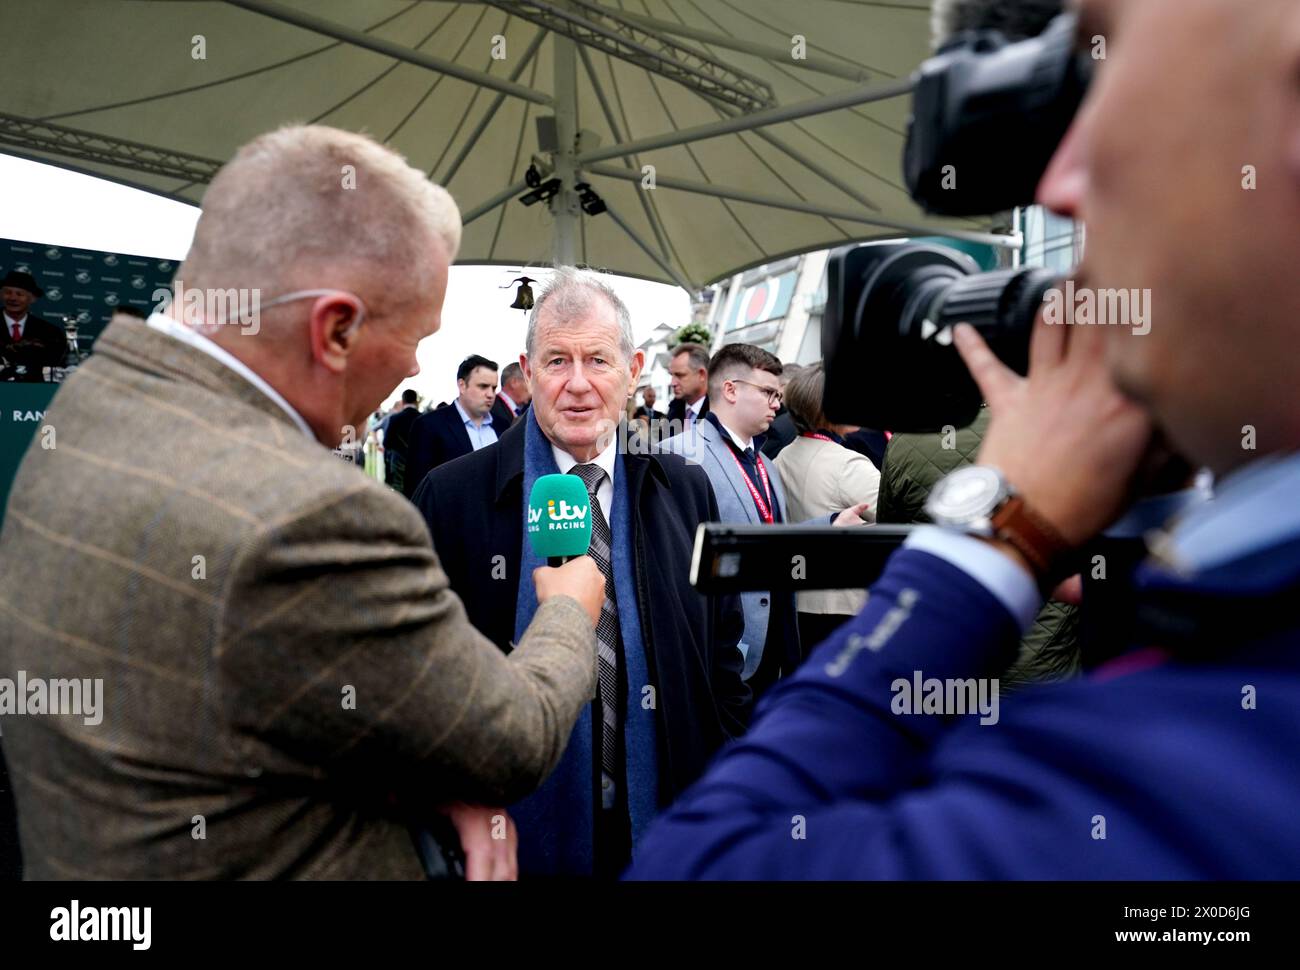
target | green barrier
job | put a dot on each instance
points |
(22, 412)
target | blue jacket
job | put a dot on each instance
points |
(1176, 761)
(704, 445)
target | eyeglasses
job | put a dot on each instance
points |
(774, 396)
(305, 294)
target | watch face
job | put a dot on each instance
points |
(966, 496)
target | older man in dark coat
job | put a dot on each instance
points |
(670, 687)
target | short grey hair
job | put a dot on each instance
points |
(697, 354)
(307, 205)
(568, 293)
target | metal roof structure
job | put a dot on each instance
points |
(716, 134)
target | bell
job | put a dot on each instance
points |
(524, 297)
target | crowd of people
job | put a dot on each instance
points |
(326, 674)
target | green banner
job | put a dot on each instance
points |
(22, 412)
(83, 286)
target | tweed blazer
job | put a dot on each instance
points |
(288, 681)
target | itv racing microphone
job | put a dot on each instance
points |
(559, 518)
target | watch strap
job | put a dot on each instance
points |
(1033, 537)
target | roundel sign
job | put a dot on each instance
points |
(763, 300)
(760, 303)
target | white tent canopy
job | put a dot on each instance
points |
(769, 127)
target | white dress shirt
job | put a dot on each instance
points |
(744, 444)
(510, 402)
(605, 492)
(174, 328)
(9, 326)
(480, 435)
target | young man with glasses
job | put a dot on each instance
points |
(744, 395)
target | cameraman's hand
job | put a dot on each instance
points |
(1064, 436)
(580, 578)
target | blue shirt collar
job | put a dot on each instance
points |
(1253, 508)
(466, 419)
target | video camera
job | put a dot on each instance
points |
(987, 116)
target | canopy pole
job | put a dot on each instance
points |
(794, 205)
(483, 208)
(757, 119)
(564, 206)
(781, 55)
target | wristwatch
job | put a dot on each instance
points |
(978, 500)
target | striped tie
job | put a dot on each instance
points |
(608, 638)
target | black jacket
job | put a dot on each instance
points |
(43, 345)
(474, 510)
(867, 442)
(677, 409)
(397, 449)
(501, 413)
(436, 438)
(780, 433)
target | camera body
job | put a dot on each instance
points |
(987, 117)
(887, 332)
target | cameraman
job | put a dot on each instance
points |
(1173, 761)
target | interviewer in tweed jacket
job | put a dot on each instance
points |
(288, 681)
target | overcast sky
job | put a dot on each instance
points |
(45, 204)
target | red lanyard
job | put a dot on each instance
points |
(764, 508)
(819, 437)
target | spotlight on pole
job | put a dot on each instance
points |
(543, 193)
(591, 203)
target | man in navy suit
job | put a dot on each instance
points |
(468, 425)
(690, 381)
(1175, 760)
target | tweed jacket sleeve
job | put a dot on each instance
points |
(342, 645)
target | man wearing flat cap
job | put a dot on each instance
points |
(27, 343)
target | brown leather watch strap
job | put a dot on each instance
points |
(1033, 536)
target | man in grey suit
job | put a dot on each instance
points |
(744, 395)
(288, 686)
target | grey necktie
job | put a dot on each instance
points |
(608, 638)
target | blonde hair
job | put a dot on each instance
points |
(309, 205)
(803, 396)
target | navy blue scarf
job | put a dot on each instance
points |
(556, 823)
